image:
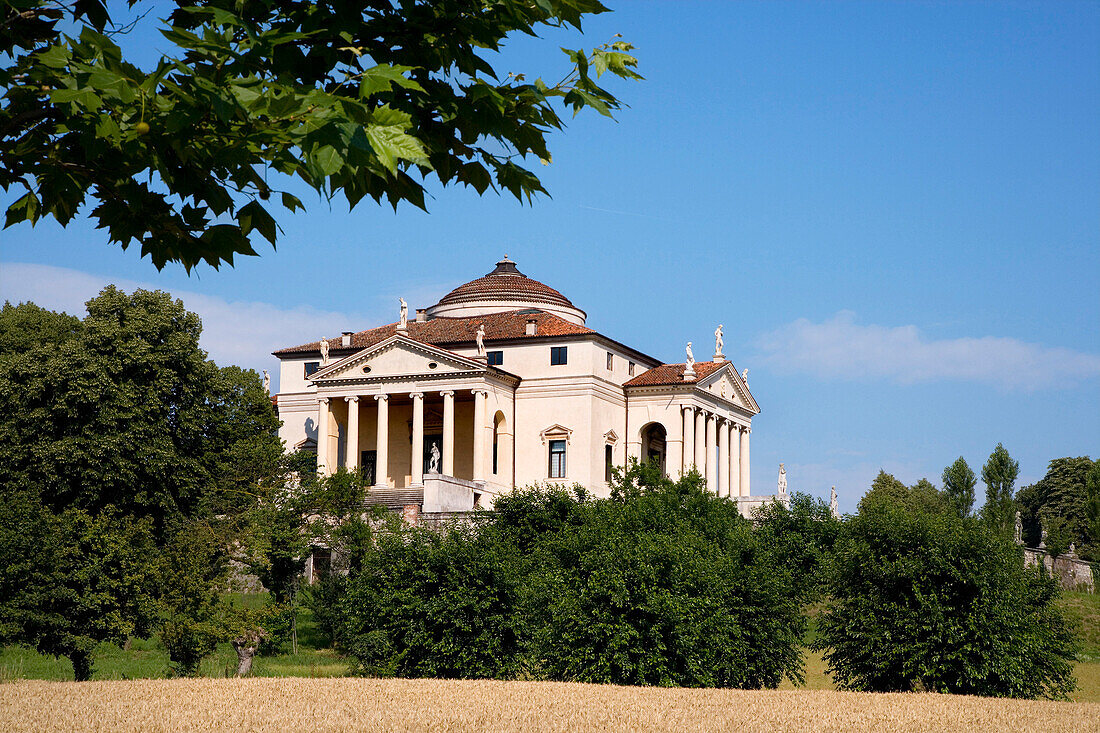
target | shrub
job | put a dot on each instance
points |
(662, 584)
(933, 601)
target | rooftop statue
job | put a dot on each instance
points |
(480, 337)
(719, 342)
(324, 350)
(404, 314)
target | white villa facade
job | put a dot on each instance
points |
(500, 384)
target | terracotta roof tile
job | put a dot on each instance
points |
(505, 282)
(453, 331)
(669, 374)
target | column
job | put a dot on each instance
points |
(382, 444)
(479, 434)
(448, 432)
(745, 488)
(417, 467)
(674, 449)
(352, 458)
(723, 463)
(701, 441)
(689, 438)
(712, 453)
(322, 436)
(733, 460)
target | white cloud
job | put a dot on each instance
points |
(233, 332)
(840, 348)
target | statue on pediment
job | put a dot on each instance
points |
(480, 338)
(745, 377)
(404, 315)
(689, 361)
(324, 350)
(267, 382)
(719, 342)
(781, 489)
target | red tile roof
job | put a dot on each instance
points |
(453, 331)
(505, 283)
(669, 374)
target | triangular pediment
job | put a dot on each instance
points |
(397, 356)
(727, 384)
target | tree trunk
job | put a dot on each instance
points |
(82, 665)
(246, 645)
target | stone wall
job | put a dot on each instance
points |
(1072, 572)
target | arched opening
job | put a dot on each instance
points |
(654, 446)
(502, 449)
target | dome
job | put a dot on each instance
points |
(504, 289)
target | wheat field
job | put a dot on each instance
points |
(450, 705)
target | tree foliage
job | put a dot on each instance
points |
(126, 460)
(360, 100)
(661, 584)
(999, 474)
(801, 537)
(933, 601)
(886, 490)
(958, 485)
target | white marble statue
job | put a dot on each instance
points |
(433, 459)
(1019, 529)
(267, 382)
(324, 350)
(1043, 539)
(719, 342)
(782, 487)
(834, 509)
(689, 362)
(745, 377)
(480, 337)
(404, 324)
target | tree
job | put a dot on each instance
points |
(999, 474)
(1092, 507)
(801, 537)
(937, 602)
(958, 485)
(118, 442)
(129, 413)
(367, 100)
(72, 580)
(889, 491)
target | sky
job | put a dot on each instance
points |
(893, 208)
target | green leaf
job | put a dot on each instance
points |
(252, 216)
(381, 78)
(56, 57)
(292, 202)
(391, 144)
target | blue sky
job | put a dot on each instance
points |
(893, 208)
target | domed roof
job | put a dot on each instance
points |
(505, 288)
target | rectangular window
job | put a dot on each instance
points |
(496, 358)
(559, 355)
(311, 367)
(607, 463)
(557, 459)
(610, 361)
(630, 369)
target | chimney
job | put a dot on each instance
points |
(532, 327)
(421, 315)
(345, 339)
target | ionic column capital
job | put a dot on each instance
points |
(352, 398)
(323, 400)
(447, 393)
(381, 397)
(481, 392)
(416, 395)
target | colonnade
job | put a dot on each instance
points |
(717, 446)
(382, 446)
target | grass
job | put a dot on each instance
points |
(458, 705)
(148, 659)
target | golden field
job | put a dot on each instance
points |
(346, 704)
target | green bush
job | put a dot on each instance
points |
(924, 600)
(662, 584)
